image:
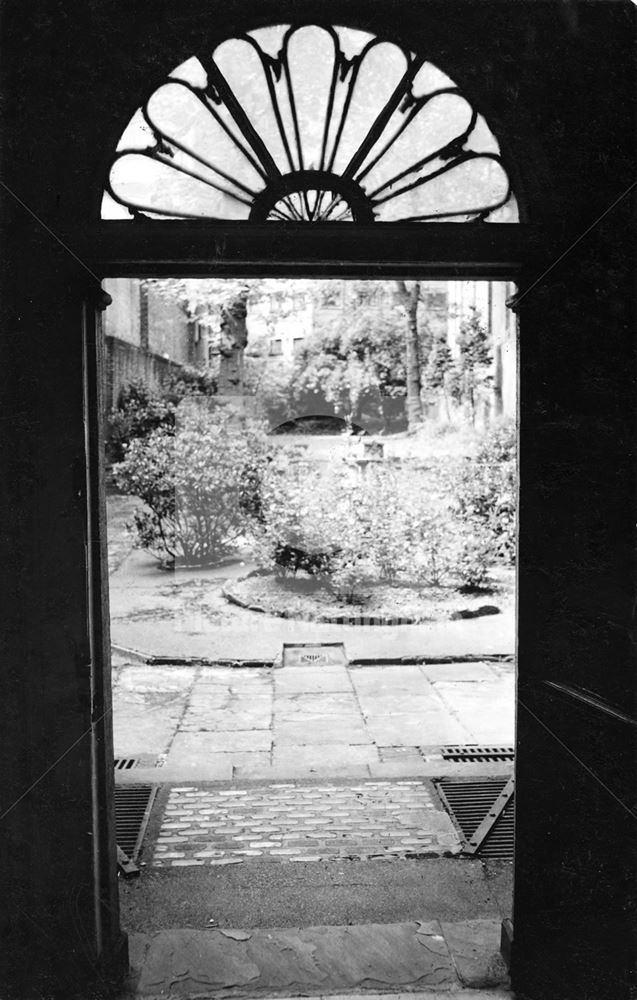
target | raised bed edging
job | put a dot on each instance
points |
(486, 609)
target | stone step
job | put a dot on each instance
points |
(423, 955)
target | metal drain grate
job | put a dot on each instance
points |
(313, 654)
(470, 803)
(133, 804)
(125, 763)
(473, 752)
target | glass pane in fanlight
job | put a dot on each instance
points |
(369, 82)
(146, 183)
(443, 119)
(270, 39)
(181, 116)
(289, 209)
(428, 79)
(111, 209)
(191, 72)
(310, 47)
(507, 212)
(137, 134)
(482, 139)
(381, 70)
(352, 41)
(242, 68)
(468, 187)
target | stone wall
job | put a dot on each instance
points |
(147, 335)
(124, 362)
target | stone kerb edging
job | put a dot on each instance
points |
(486, 609)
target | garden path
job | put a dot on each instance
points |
(227, 723)
(183, 691)
(183, 617)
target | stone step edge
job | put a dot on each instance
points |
(158, 660)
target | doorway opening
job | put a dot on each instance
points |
(312, 592)
(317, 625)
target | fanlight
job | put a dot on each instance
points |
(308, 124)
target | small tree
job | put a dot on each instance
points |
(439, 371)
(407, 297)
(474, 362)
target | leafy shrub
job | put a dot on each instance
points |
(191, 479)
(486, 490)
(188, 381)
(139, 411)
(394, 523)
(301, 517)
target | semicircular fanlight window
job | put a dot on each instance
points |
(308, 124)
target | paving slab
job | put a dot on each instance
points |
(301, 680)
(314, 730)
(308, 704)
(188, 746)
(487, 709)
(323, 758)
(416, 729)
(200, 717)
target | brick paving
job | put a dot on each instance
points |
(292, 822)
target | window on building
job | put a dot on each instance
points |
(332, 296)
(436, 301)
(297, 345)
(276, 347)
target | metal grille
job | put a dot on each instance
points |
(309, 654)
(139, 760)
(133, 804)
(125, 763)
(469, 802)
(471, 752)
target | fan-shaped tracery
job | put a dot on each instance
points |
(308, 124)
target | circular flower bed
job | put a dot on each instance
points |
(304, 597)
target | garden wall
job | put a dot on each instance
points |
(124, 362)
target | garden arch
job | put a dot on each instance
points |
(562, 109)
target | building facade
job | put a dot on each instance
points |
(147, 335)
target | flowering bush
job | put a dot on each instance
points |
(389, 524)
(192, 481)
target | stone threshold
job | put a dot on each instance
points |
(205, 774)
(365, 959)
